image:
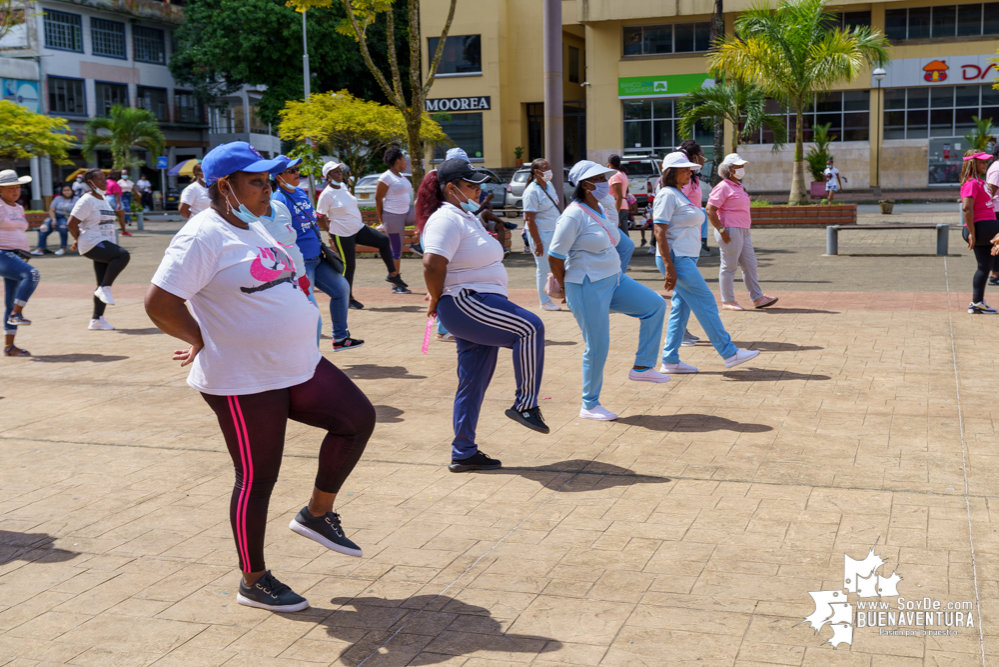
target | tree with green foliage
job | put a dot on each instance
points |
(123, 129)
(736, 102)
(818, 153)
(25, 134)
(226, 44)
(361, 17)
(793, 51)
(980, 137)
(356, 131)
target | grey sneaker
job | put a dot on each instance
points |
(270, 594)
(325, 530)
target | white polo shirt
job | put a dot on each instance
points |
(340, 208)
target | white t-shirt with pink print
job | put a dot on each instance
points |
(258, 325)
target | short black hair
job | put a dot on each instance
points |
(615, 161)
(90, 173)
(392, 155)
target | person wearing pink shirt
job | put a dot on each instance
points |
(113, 197)
(728, 213)
(619, 190)
(19, 278)
(980, 225)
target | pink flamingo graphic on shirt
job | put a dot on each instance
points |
(272, 267)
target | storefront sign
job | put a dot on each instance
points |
(672, 85)
(22, 93)
(458, 104)
(951, 70)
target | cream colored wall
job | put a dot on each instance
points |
(904, 164)
(771, 172)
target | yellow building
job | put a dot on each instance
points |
(626, 63)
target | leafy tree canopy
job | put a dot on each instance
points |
(225, 44)
(25, 134)
(120, 131)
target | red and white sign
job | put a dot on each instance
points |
(946, 70)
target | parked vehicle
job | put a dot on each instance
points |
(364, 190)
(643, 174)
(515, 189)
(172, 199)
(496, 185)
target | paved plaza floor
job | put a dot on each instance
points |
(703, 527)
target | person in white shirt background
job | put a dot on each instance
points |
(541, 212)
(992, 188)
(127, 186)
(79, 187)
(145, 189)
(832, 180)
(338, 207)
(194, 198)
(392, 202)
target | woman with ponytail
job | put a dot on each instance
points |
(980, 225)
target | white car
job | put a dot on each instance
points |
(365, 187)
(643, 174)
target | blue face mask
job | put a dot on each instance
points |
(601, 190)
(242, 212)
(469, 205)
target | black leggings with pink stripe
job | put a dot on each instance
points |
(254, 427)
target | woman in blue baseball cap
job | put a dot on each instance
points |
(253, 356)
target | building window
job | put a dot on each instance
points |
(108, 38)
(651, 125)
(110, 95)
(942, 22)
(462, 55)
(945, 111)
(651, 40)
(851, 20)
(187, 108)
(465, 130)
(148, 45)
(574, 65)
(155, 100)
(847, 112)
(66, 96)
(63, 31)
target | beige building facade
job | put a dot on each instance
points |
(626, 64)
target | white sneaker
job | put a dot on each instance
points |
(648, 375)
(689, 339)
(551, 305)
(652, 250)
(981, 309)
(678, 367)
(741, 357)
(599, 413)
(37, 252)
(104, 294)
(60, 252)
(101, 324)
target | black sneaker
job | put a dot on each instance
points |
(356, 305)
(270, 594)
(325, 530)
(396, 280)
(416, 250)
(993, 280)
(643, 243)
(477, 461)
(347, 343)
(530, 418)
(399, 289)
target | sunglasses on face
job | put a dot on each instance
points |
(293, 170)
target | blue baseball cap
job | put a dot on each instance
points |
(287, 163)
(226, 159)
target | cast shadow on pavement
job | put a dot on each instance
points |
(765, 346)
(609, 475)
(421, 630)
(31, 547)
(386, 414)
(376, 372)
(778, 310)
(763, 375)
(398, 309)
(692, 424)
(74, 358)
(152, 331)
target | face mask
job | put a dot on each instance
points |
(600, 190)
(739, 173)
(468, 204)
(242, 212)
(547, 176)
(100, 192)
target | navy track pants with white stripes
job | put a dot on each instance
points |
(481, 324)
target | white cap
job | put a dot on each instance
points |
(678, 160)
(734, 158)
(585, 169)
(457, 153)
(333, 164)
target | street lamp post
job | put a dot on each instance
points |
(554, 137)
(879, 74)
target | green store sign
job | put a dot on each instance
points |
(660, 86)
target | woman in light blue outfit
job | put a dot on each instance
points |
(541, 211)
(584, 259)
(677, 230)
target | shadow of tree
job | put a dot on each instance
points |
(75, 358)
(31, 547)
(692, 424)
(765, 346)
(763, 375)
(589, 474)
(376, 372)
(152, 331)
(420, 630)
(386, 414)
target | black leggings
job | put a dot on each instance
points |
(109, 261)
(365, 236)
(254, 426)
(984, 231)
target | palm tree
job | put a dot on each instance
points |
(792, 52)
(736, 102)
(980, 137)
(120, 130)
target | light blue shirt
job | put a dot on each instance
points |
(542, 205)
(682, 220)
(587, 241)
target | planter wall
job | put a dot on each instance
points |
(35, 220)
(793, 216)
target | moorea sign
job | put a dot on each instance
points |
(671, 85)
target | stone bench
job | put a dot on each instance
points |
(832, 234)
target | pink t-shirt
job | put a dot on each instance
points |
(13, 226)
(693, 192)
(983, 210)
(619, 177)
(113, 188)
(732, 202)
(992, 178)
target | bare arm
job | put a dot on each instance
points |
(434, 272)
(185, 211)
(968, 210)
(558, 269)
(532, 229)
(663, 244)
(380, 191)
(74, 230)
(618, 194)
(712, 212)
(170, 314)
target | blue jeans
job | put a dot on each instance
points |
(19, 280)
(126, 205)
(542, 263)
(59, 226)
(591, 304)
(704, 230)
(335, 286)
(692, 294)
